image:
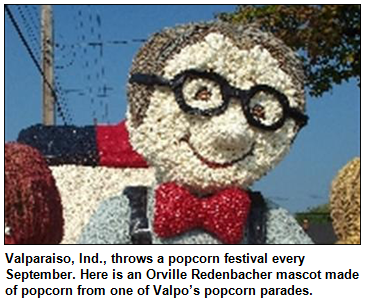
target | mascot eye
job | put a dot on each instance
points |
(258, 111)
(203, 94)
(265, 108)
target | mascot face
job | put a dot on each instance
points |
(218, 116)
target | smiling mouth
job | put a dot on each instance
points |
(213, 164)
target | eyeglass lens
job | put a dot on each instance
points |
(208, 94)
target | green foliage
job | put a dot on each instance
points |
(324, 208)
(319, 214)
(327, 37)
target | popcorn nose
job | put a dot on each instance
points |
(231, 137)
(231, 129)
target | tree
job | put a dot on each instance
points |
(327, 37)
(319, 214)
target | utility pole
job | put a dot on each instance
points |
(49, 116)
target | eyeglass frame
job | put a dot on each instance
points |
(228, 92)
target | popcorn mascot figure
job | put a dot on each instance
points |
(213, 108)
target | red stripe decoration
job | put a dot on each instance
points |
(115, 149)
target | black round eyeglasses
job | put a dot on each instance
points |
(209, 94)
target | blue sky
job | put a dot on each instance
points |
(302, 180)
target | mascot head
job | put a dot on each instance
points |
(213, 105)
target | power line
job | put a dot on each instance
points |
(33, 17)
(30, 24)
(86, 55)
(31, 34)
(29, 50)
(62, 98)
(62, 48)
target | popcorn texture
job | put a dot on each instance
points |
(206, 154)
(33, 210)
(224, 214)
(345, 203)
(281, 226)
(83, 189)
(63, 144)
(163, 46)
(114, 148)
(109, 224)
(102, 145)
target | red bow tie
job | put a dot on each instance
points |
(223, 214)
